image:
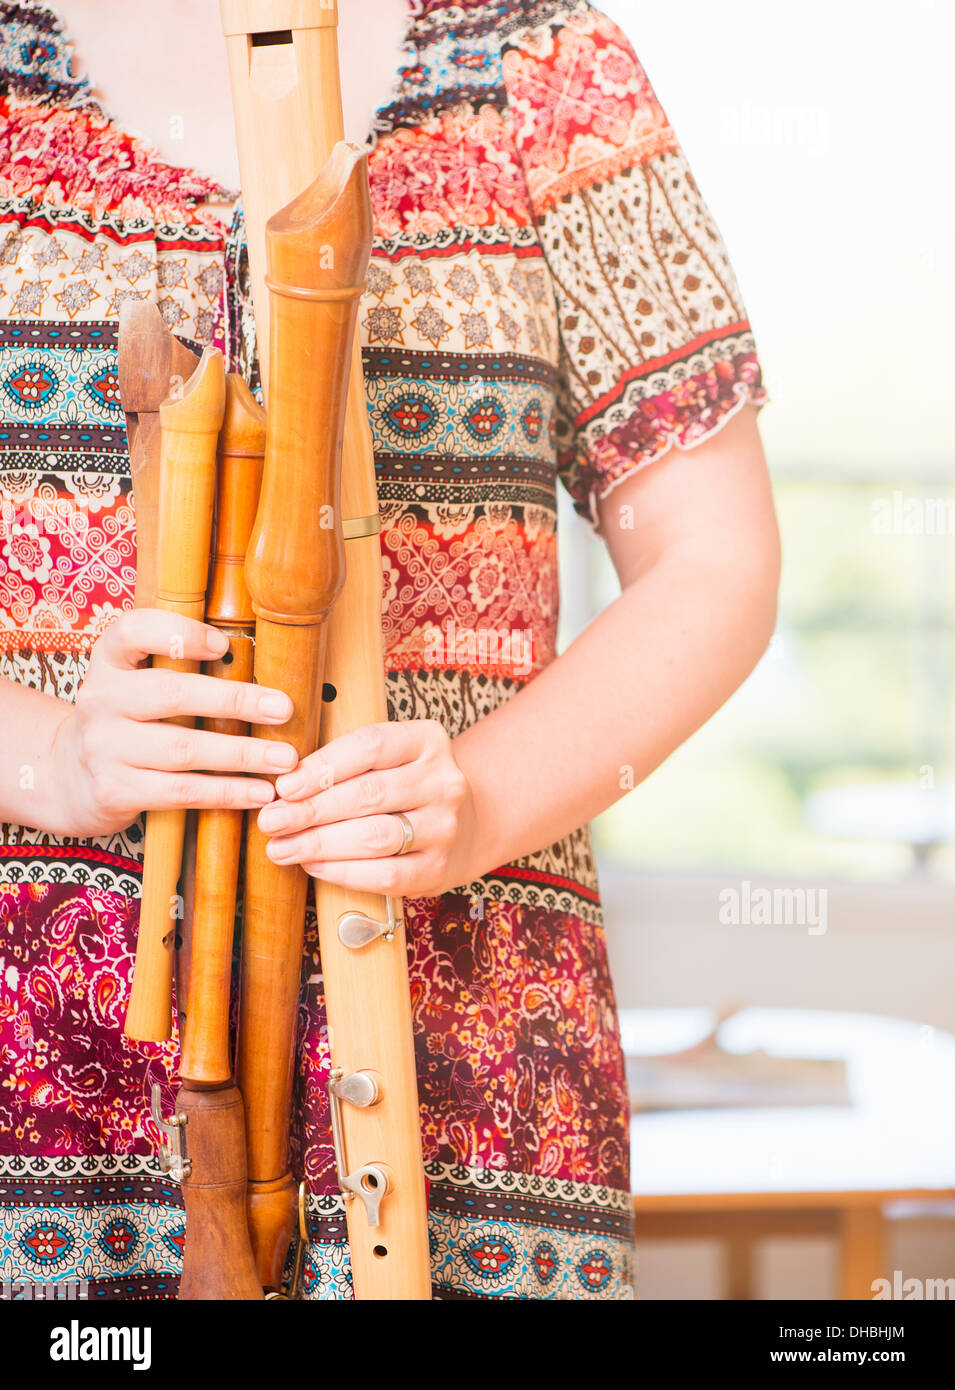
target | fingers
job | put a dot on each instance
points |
(157, 766)
(128, 758)
(397, 789)
(118, 792)
(159, 694)
(379, 767)
(335, 814)
(411, 876)
(371, 837)
(175, 748)
(144, 632)
(373, 746)
(164, 694)
(196, 791)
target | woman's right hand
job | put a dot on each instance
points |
(113, 757)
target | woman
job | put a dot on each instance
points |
(548, 295)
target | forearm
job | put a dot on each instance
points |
(28, 785)
(653, 667)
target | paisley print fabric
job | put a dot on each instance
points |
(548, 299)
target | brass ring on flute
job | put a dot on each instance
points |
(407, 830)
(354, 527)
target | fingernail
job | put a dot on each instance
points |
(272, 818)
(315, 870)
(292, 784)
(260, 795)
(275, 706)
(217, 642)
(278, 853)
(281, 755)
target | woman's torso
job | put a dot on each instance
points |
(519, 1065)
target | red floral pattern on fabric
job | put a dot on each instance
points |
(456, 169)
(476, 594)
(501, 1006)
(85, 161)
(583, 108)
(70, 1081)
(691, 411)
(67, 572)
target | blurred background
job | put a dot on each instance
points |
(818, 135)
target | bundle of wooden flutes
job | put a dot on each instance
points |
(265, 524)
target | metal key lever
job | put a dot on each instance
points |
(356, 930)
(369, 1182)
(173, 1158)
(294, 1291)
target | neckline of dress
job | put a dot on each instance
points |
(86, 87)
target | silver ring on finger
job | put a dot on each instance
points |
(407, 831)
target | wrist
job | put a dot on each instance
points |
(32, 783)
(482, 847)
(57, 777)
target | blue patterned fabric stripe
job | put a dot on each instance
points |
(52, 386)
(70, 1241)
(118, 1225)
(410, 415)
(446, 70)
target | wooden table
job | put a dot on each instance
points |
(742, 1175)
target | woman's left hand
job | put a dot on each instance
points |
(338, 815)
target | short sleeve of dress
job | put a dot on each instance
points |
(656, 349)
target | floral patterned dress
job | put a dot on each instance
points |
(548, 297)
